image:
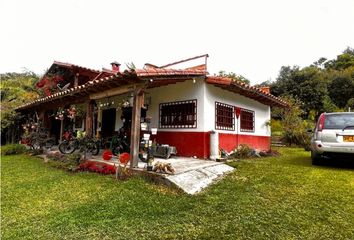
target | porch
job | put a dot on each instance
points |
(191, 175)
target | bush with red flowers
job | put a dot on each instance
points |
(107, 155)
(124, 158)
(97, 167)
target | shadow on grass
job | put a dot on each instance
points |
(337, 163)
(300, 161)
(304, 160)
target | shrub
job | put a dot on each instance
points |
(242, 151)
(269, 153)
(97, 167)
(34, 152)
(74, 158)
(276, 127)
(12, 149)
(68, 162)
(294, 128)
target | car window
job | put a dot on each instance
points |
(338, 121)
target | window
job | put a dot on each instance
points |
(247, 120)
(224, 116)
(182, 114)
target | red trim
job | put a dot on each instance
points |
(229, 141)
(188, 144)
(197, 144)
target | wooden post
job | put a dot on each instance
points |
(89, 118)
(135, 128)
(61, 130)
(99, 122)
(76, 80)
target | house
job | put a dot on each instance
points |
(193, 111)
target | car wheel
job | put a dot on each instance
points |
(316, 158)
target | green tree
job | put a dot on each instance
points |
(307, 84)
(341, 87)
(312, 88)
(16, 90)
(343, 61)
(328, 105)
(234, 76)
(325, 85)
(320, 62)
(285, 82)
(350, 104)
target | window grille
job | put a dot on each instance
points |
(247, 120)
(181, 114)
(224, 116)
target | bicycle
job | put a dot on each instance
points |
(120, 144)
(84, 144)
(40, 138)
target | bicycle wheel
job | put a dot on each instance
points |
(35, 145)
(67, 147)
(49, 142)
(92, 147)
(116, 150)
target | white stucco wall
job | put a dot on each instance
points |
(206, 96)
(213, 94)
(178, 92)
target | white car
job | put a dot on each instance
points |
(333, 136)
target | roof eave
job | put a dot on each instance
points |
(246, 90)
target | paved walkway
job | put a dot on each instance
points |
(191, 175)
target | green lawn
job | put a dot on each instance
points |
(273, 198)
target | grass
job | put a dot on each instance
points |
(273, 198)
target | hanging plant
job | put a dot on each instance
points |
(80, 111)
(49, 84)
(124, 103)
(71, 112)
(60, 115)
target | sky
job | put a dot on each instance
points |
(253, 38)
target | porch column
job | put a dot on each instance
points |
(76, 81)
(135, 128)
(61, 130)
(89, 118)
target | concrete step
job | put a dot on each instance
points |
(196, 180)
(278, 145)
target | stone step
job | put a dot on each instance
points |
(278, 145)
(196, 180)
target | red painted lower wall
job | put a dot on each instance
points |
(188, 144)
(228, 141)
(197, 144)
